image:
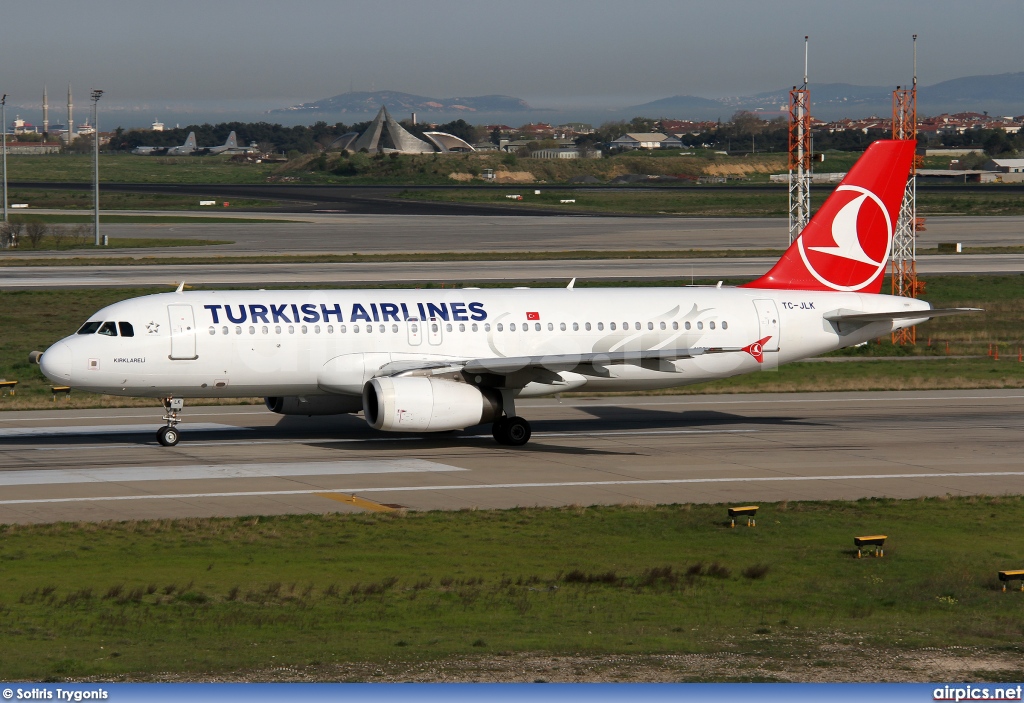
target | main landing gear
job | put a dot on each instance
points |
(168, 436)
(511, 431)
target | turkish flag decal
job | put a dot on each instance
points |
(756, 349)
(533, 316)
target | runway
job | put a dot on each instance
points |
(242, 460)
(448, 272)
(314, 233)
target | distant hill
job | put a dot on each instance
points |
(999, 94)
(364, 102)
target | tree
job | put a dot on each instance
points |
(34, 232)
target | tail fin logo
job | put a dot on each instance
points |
(858, 251)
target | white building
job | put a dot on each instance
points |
(639, 140)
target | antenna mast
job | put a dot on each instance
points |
(904, 244)
(799, 156)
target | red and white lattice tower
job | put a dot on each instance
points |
(904, 243)
(799, 156)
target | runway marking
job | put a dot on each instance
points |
(221, 471)
(465, 487)
(774, 401)
(71, 430)
(363, 503)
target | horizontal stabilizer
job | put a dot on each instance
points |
(853, 316)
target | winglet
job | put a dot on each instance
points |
(572, 284)
(181, 287)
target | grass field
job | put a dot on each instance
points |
(42, 317)
(208, 597)
(84, 241)
(83, 200)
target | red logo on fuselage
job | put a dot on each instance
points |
(852, 251)
(533, 316)
(756, 349)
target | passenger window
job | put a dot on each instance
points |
(128, 331)
(462, 327)
(687, 325)
(725, 325)
(487, 327)
(342, 328)
(474, 327)
(512, 327)
(369, 329)
(636, 325)
(499, 327)
(600, 326)
(650, 325)
(108, 329)
(383, 329)
(291, 329)
(330, 329)
(575, 327)
(551, 327)
(587, 326)
(277, 329)
(536, 326)
(700, 325)
(448, 327)
(316, 329)
(611, 325)
(252, 330)
(213, 330)
(561, 326)
(662, 325)
(238, 329)
(305, 330)
(415, 328)
(711, 324)
(90, 328)
(266, 330)
(223, 330)
(394, 328)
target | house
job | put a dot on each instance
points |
(639, 140)
(1005, 165)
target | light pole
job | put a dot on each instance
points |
(96, 163)
(3, 119)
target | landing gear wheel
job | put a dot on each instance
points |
(512, 431)
(167, 436)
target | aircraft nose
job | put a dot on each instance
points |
(56, 363)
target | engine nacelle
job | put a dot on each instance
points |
(422, 404)
(314, 404)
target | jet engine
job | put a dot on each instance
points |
(422, 404)
(314, 405)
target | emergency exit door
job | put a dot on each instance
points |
(768, 323)
(183, 332)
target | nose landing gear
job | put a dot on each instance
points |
(168, 436)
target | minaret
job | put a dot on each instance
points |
(71, 122)
(46, 114)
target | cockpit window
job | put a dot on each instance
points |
(90, 328)
(109, 329)
(126, 329)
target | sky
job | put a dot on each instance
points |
(259, 54)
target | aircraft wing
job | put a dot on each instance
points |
(549, 362)
(854, 316)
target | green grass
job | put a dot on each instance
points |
(83, 200)
(50, 243)
(126, 168)
(215, 596)
(43, 317)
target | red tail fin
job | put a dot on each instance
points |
(846, 244)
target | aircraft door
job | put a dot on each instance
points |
(183, 332)
(415, 329)
(768, 323)
(434, 331)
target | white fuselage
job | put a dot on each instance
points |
(330, 342)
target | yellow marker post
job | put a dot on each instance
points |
(875, 541)
(748, 511)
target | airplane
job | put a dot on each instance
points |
(228, 147)
(185, 149)
(439, 360)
